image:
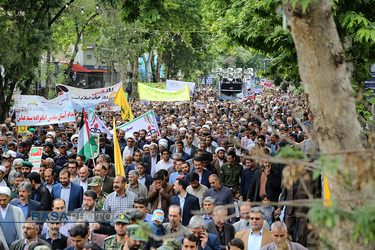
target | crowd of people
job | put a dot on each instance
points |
(196, 186)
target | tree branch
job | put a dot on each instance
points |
(59, 13)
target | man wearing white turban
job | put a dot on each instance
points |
(11, 219)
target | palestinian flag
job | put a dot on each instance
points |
(87, 145)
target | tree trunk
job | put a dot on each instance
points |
(153, 68)
(326, 80)
(159, 63)
(147, 66)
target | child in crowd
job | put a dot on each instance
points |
(156, 226)
(270, 212)
(237, 203)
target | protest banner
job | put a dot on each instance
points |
(178, 85)
(22, 130)
(32, 110)
(200, 105)
(36, 158)
(96, 125)
(146, 121)
(258, 89)
(89, 98)
(211, 99)
(259, 99)
(298, 111)
(155, 85)
(151, 94)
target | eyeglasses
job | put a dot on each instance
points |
(254, 218)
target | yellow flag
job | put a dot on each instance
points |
(126, 110)
(326, 192)
(118, 159)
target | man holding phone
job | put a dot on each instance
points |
(265, 181)
(197, 228)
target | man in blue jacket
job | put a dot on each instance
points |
(188, 203)
(207, 241)
(70, 192)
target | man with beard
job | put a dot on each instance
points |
(220, 152)
(152, 159)
(23, 202)
(133, 242)
(30, 233)
(106, 149)
(137, 158)
(142, 139)
(118, 240)
(107, 184)
(187, 202)
(196, 189)
(54, 237)
(89, 212)
(26, 168)
(143, 177)
(49, 177)
(218, 226)
(70, 192)
(41, 193)
(3, 182)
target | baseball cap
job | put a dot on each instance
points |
(131, 230)
(96, 181)
(124, 218)
(43, 132)
(27, 164)
(158, 215)
(61, 144)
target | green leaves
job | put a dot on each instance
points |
(365, 223)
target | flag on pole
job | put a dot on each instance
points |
(87, 145)
(117, 153)
(126, 110)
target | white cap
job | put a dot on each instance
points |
(164, 143)
(218, 149)
(130, 137)
(12, 153)
(5, 191)
(2, 168)
(206, 126)
(73, 137)
(51, 133)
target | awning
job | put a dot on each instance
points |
(78, 68)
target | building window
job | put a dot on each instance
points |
(89, 57)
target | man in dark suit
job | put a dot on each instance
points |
(79, 235)
(224, 231)
(189, 148)
(100, 170)
(188, 203)
(152, 159)
(271, 183)
(203, 173)
(206, 240)
(70, 192)
(41, 193)
(26, 205)
(106, 149)
(89, 212)
(56, 239)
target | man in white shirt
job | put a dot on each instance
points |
(129, 149)
(165, 162)
(83, 175)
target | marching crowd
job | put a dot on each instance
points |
(194, 186)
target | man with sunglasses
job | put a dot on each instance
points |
(255, 237)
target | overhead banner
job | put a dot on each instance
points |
(33, 110)
(178, 85)
(258, 89)
(151, 94)
(89, 98)
(155, 85)
(146, 121)
(96, 125)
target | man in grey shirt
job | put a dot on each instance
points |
(138, 188)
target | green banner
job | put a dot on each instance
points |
(152, 94)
